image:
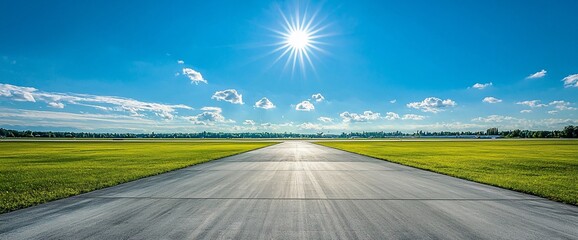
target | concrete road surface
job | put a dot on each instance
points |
(296, 190)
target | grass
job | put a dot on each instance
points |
(546, 168)
(36, 172)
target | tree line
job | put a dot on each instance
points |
(5, 133)
(567, 132)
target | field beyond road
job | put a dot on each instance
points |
(546, 168)
(36, 172)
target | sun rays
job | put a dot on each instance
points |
(299, 39)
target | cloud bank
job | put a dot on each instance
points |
(391, 116)
(354, 117)
(532, 103)
(325, 119)
(103, 103)
(561, 105)
(432, 104)
(210, 116)
(413, 117)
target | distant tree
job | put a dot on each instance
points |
(569, 132)
(515, 133)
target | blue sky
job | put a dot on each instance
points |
(188, 66)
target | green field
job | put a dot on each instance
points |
(36, 172)
(547, 168)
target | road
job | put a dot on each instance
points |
(296, 190)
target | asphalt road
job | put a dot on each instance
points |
(296, 190)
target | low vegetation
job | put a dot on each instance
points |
(36, 172)
(547, 168)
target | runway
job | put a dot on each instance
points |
(296, 190)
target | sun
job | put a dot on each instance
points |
(299, 39)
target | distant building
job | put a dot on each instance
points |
(492, 131)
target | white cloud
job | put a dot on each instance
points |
(532, 103)
(123, 123)
(552, 112)
(194, 76)
(166, 116)
(181, 62)
(493, 119)
(571, 81)
(318, 97)
(413, 117)
(432, 104)
(245, 128)
(482, 86)
(393, 101)
(17, 93)
(86, 121)
(561, 105)
(317, 127)
(354, 117)
(276, 126)
(207, 118)
(305, 106)
(539, 74)
(309, 125)
(210, 116)
(103, 103)
(264, 103)
(443, 126)
(229, 95)
(491, 100)
(212, 109)
(391, 116)
(21, 117)
(548, 122)
(249, 122)
(56, 105)
(507, 122)
(526, 111)
(325, 119)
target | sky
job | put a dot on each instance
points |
(288, 66)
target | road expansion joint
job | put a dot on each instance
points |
(295, 170)
(317, 199)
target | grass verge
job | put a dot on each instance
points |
(546, 168)
(36, 172)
